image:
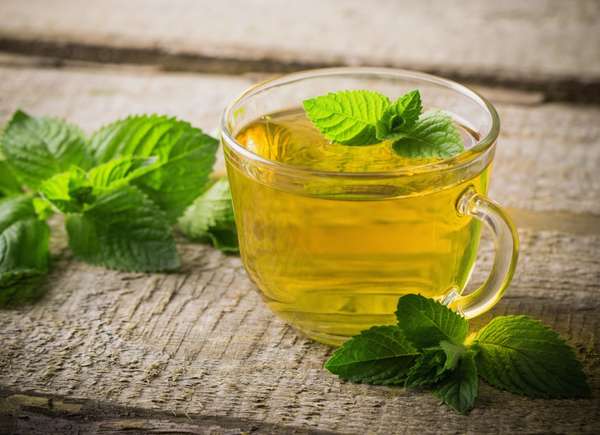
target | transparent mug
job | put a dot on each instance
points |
(331, 252)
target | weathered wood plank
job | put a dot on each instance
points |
(201, 343)
(547, 157)
(543, 44)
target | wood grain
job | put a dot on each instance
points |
(201, 343)
(542, 44)
(186, 352)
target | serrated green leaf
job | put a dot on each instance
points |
(428, 368)
(123, 229)
(68, 191)
(434, 135)
(23, 251)
(9, 185)
(347, 117)
(71, 190)
(38, 148)
(434, 364)
(461, 387)
(453, 354)
(120, 172)
(211, 217)
(184, 157)
(521, 355)
(426, 322)
(399, 116)
(380, 355)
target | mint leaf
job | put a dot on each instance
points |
(123, 229)
(211, 217)
(23, 250)
(68, 191)
(183, 155)
(460, 388)
(38, 148)
(453, 353)
(428, 368)
(426, 322)
(120, 172)
(521, 355)
(347, 117)
(8, 182)
(380, 355)
(399, 116)
(434, 364)
(434, 135)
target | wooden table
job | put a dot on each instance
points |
(196, 351)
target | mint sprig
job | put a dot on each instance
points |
(429, 348)
(210, 218)
(380, 355)
(121, 191)
(360, 118)
(23, 250)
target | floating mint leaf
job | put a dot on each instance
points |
(399, 116)
(434, 135)
(380, 355)
(521, 355)
(347, 117)
(426, 322)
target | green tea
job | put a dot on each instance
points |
(335, 265)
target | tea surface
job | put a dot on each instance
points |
(290, 137)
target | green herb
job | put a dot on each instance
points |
(429, 348)
(365, 117)
(460, 388)
(23, 250)
(348, 117)
(521, 355)
(37, 148)
(120, 191)
(184, 157)
(123, 229)
(426, 322)
(380, 355)
(210, 218)
(9, 185)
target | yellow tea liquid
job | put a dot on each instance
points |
(333, 267)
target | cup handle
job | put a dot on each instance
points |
(506, 242)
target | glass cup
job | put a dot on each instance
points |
(331, 252)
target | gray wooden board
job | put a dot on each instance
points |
(547, 43)
(200, 343)
(187, 350)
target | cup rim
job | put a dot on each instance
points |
(479, 150)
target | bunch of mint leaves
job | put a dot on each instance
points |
(360, 117)
(430, 348)
(121, 190)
